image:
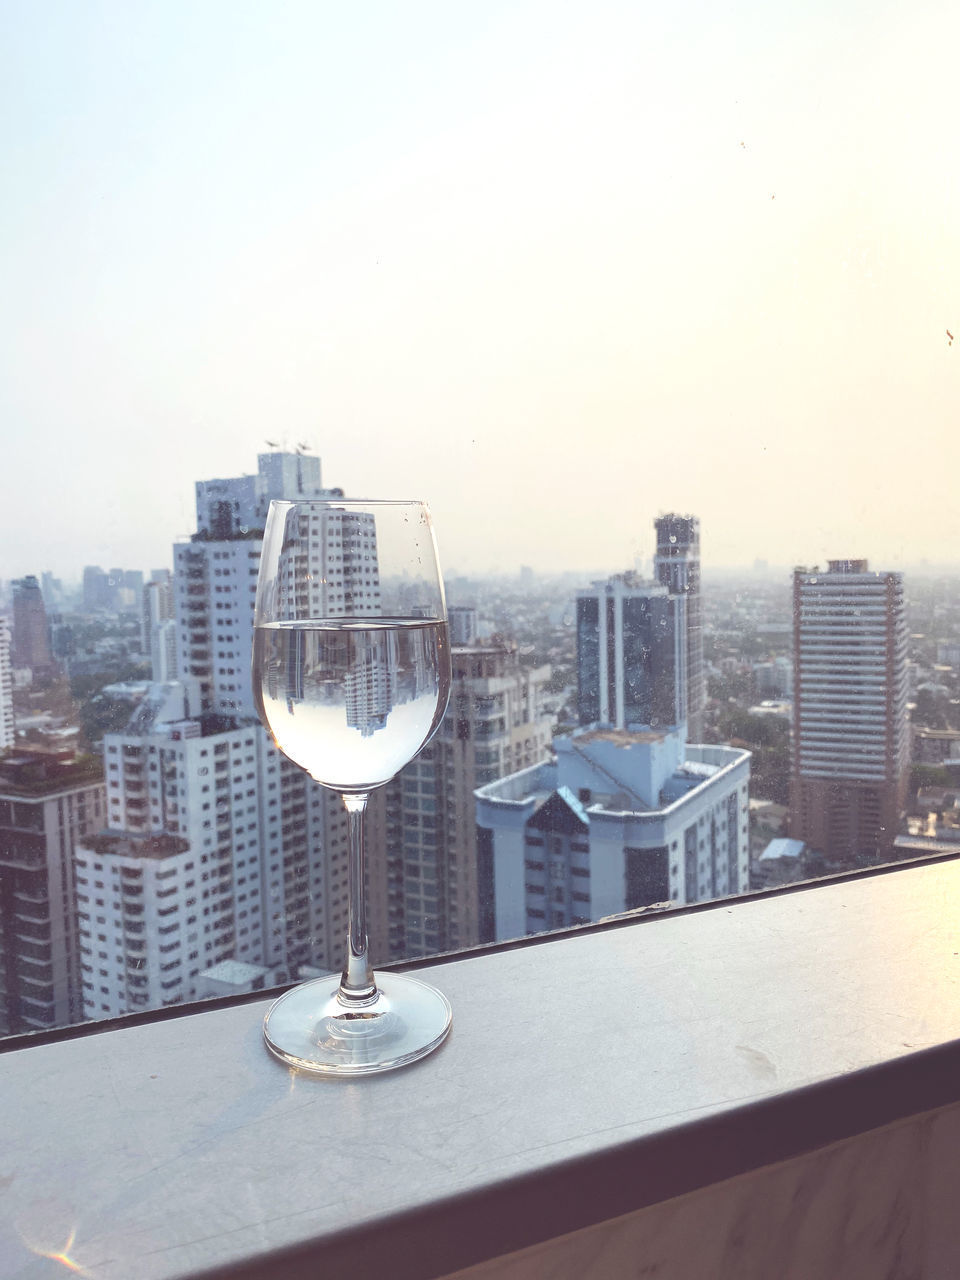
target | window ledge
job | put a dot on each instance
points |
(586, 1077)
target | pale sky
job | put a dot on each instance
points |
(553, 267)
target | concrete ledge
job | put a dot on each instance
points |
(587, 1078)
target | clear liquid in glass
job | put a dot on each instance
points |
(352, 700)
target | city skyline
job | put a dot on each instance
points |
(556, 272)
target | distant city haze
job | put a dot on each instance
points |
(555, 269)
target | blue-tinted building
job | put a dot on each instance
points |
(631, 654)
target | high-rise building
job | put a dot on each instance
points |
(243, 857)
(208, 849)
(628, 814)
(423, 825)
(7, 723)
(620, 820)
(63, 640)
(52, 589)
(463, 624)
(31, 639)
(677, 567)
(95, 589)
(47, 805)
(117, 590)
(850, 734)
(631, 654)
(215, 576)
(158, 629)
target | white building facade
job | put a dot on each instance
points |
(621, 820)
(676, 566)
(158, 627)
(242, 857)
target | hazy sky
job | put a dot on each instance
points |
(554, 267)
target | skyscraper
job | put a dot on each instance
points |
(850, 739)
(631, 654)
(158, 628)
(215, 576)
(96, 589)
(677, 567)
(241, 856)
(628, 815)
(7, 724)
(31, 640)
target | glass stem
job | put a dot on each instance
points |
(357, 985)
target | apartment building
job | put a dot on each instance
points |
(851, 747)
(244, 857)
(48, 804)
(622, 819)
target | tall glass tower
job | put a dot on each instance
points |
(677, 567)
(631, 655)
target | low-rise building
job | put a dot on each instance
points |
(781, 862)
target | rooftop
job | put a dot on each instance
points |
(620, 737)
(35, 774)
(782, 848)
(537, 783)
(235, 972)
(123, 845)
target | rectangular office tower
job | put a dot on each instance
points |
(31, 635)
(677, 567)
(631, 654)
(850, 738)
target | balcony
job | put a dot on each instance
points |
(761, 1088)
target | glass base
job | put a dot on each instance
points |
(310, 1029)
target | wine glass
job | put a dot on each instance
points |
(351, 676)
